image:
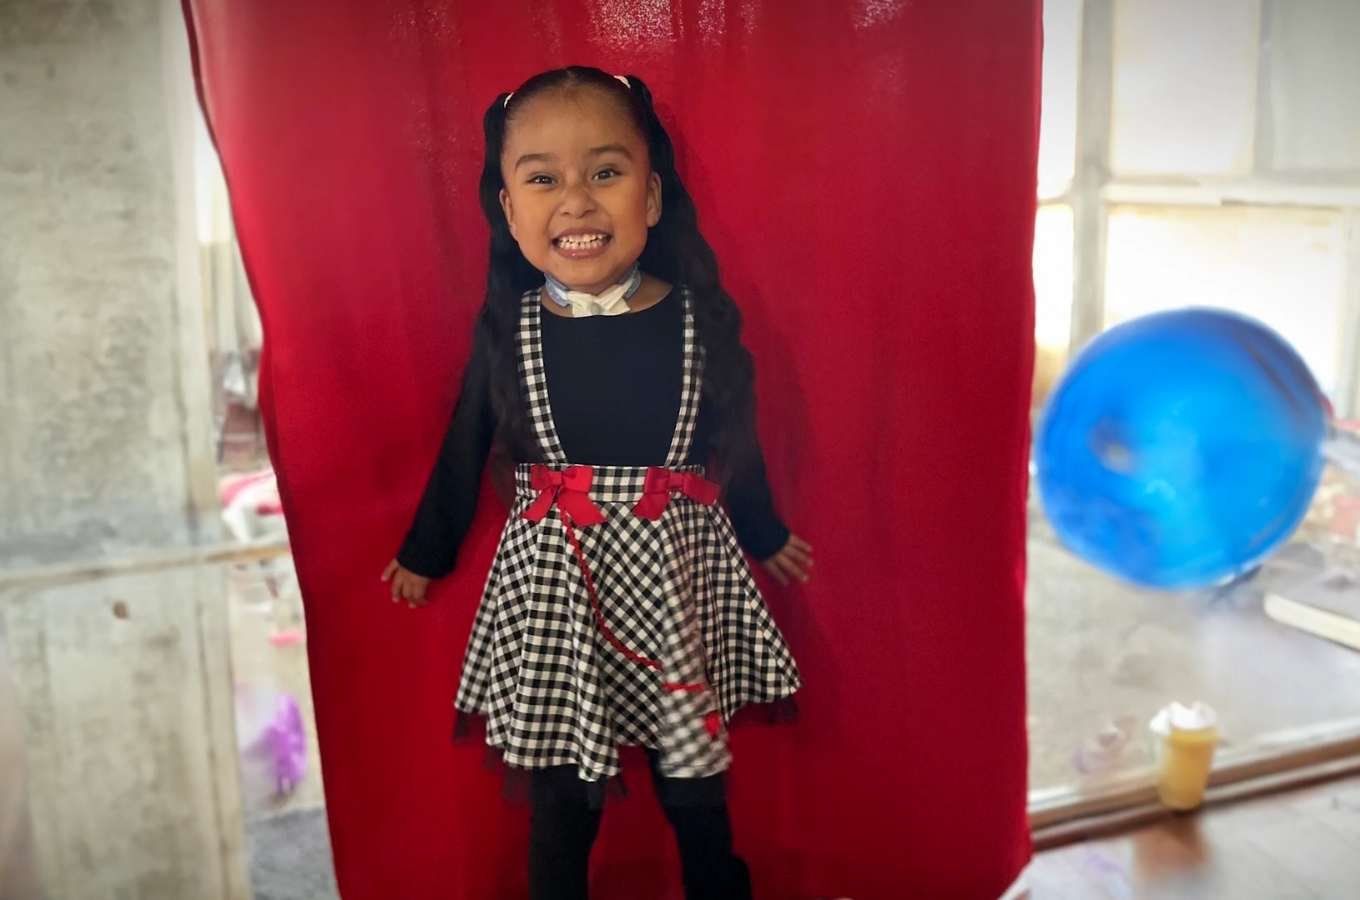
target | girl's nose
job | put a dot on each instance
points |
(577, 200)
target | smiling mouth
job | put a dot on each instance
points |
(578, 243)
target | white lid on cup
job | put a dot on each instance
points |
(1176, 716)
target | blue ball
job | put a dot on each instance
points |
(1181, 449)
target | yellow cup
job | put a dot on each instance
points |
(1185, 758)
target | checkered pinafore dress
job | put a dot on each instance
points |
(619, 609)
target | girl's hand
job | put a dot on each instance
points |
(794, 562)
(406, 585)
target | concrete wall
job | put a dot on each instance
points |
(123, 684)
(94, 452)
(128, 725)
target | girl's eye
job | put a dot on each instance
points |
(606, 174)
(541, 179)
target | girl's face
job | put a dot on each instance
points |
(579, 192)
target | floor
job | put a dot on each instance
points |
(1296, 846)
(290, 856)
(1303, 845)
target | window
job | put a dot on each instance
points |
(1184, 86)
(1282, 266)
(1199, 153)
(1314, 97)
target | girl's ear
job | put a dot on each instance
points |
(653, 200)
(509, 212)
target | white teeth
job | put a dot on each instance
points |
(581, 243)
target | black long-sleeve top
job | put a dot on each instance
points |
(614, 387)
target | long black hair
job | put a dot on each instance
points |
(676, 251)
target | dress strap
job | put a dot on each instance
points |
(690, 386)
(534, 377)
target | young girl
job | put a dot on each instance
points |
(608, 362)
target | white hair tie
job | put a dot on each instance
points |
(505, 104)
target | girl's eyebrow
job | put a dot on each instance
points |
(593, 151)
(610, 148)
(535, 157)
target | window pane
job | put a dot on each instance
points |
(1184, 86)
(1315, 84)
(1284, 267)
(1052, 295)
(1053, 276)
(1104, 656)
(1058, 126)
(209, 186)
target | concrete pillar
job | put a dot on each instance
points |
(122, 680)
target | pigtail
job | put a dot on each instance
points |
(678, 252)
(508, 276)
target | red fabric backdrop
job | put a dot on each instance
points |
(866, 172)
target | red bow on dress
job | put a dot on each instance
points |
(662, 483)
(568, 490)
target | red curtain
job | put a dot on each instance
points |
(866, 172)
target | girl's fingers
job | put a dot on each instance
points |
(409, 589)
(772, 566)
(785, 566)
(802, 557)
(795, 569)
(799, 543)
(390, 570)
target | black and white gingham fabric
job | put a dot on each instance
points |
(677, 590)
(536, 378)
(690, 384)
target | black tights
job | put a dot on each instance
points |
(563, 826)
